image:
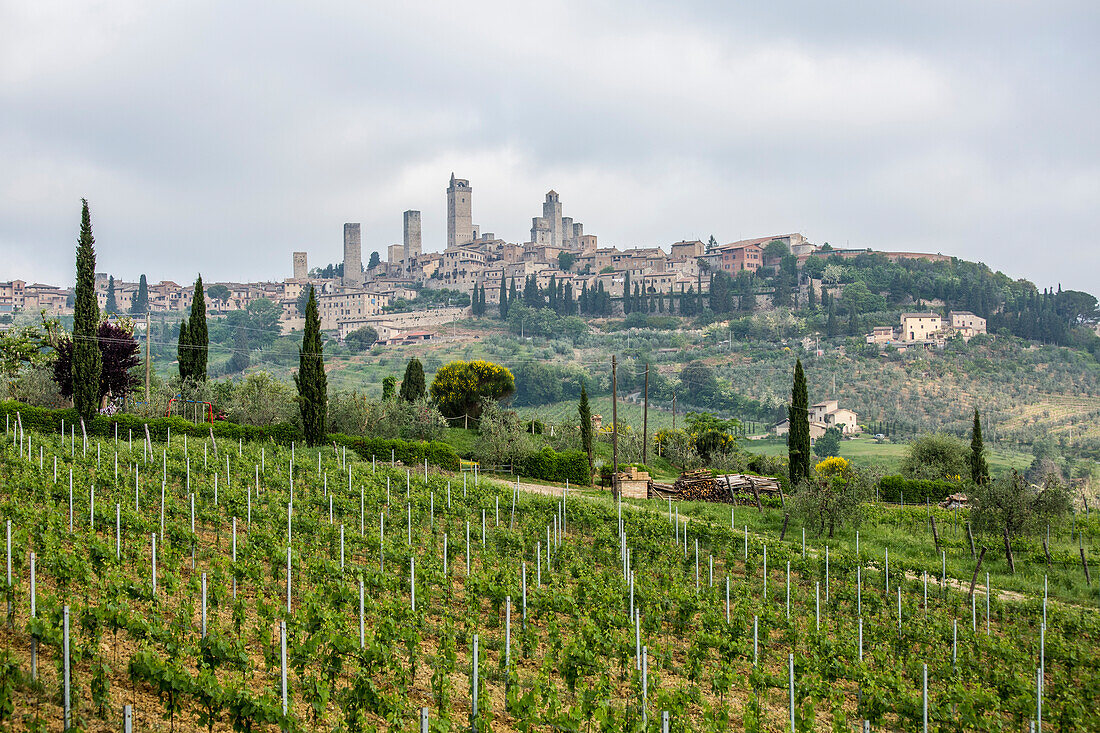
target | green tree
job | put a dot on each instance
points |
(584, 413)
(503, 298)
(566, 260)
(460, 387)
(831, 500)
(832, 328)
(775, 250)
(311, 380)
(828, 444)
(626, 293)
(361, 339)
(798, 439)
(389, 385)
(111, 306)
(937, 456)
(183, 352)
(140, 301)
(218, 291)
(87, 360)
(500, 439)
(374, 262)
(979, 471)
(412, 386)
(198, 339)
(118, 351)
(1011, 504)
(302, 301)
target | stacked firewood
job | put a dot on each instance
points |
(700, 485)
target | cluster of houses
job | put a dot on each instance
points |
(825, 415)
(927, 330)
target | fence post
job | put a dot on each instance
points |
(127, 719)
(65, 650)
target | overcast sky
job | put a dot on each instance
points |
(221, 136)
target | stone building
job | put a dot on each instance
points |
(460, 220)
(353, 256)
(412, 239)
(301, 266)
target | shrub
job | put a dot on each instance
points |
(550, 465)
(915, 491)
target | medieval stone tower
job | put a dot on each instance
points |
(301, 268)
(353, 256)
(412, 234)
(460, 220)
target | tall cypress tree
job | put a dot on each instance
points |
(798, 439)
(140, 302)
(831, 327)
(111, 306)
(503, 298)
(87, 360)
(412, 386)
(183, 352)
(198, 338)
(979, 471)
(512, 294)
(585, 415)
(626, 292)
(311, 380)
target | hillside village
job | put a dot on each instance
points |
(559, 254)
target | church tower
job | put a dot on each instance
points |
(460, 220)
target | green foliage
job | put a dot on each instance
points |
(87, 362)
(218, 291)
(461, 387)
(566, 260)
(118, 356)
(584, 414)
(111, 304)
(979, 471)
(830, 502)
(937, 456)
(412, 386)
(1011, 503)
(198, 338)
(409, 453)
(26, 346)
(389, 384)
(361, 339)
(828, 444)
(798, 439)
(898, 489)
(311, 380)
(139, 302)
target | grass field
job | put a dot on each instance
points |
(887, 456)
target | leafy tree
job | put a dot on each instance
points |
(699, 385)
(87, 364)
(111, 306)
(831, 497)
(461, 387)
(361, 339)
(139, 303)
(798, 438)
(22, 347)
(711, 435)
(389, 385)
(828, 444)
(1011, 503)
(501, 439)
(218, 291)
(584, 414)
(311, 380)
(374, 262)
(412, 386)
(566, 260)
(937, 456)
(979, 471)
(776, 249)
(503, 298)
(832, 329)
(119, 354)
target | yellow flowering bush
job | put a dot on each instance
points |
(833, 466)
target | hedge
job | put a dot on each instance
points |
(45, 420)
(549, 465)
(914, 491)
(437, 453)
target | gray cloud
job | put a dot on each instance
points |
(220, 137)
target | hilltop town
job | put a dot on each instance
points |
(352, 295)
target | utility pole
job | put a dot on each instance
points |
(614, 429)
(645, 418)
(147, 354)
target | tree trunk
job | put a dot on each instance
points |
(935, 534)
(1085, 565)
(1008, 553)
(977, 567)
(1046, 551)
(786, 518)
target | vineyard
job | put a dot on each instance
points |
(261, 587)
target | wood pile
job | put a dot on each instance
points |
(702, 485)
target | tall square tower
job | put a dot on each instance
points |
(353, 256)
(460, 220)
(301, 268)
(412, 234)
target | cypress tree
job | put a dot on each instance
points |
(111, 306)
(811, 300)
(183, 352)
(798, 438)
(626, 292)
(979, 471)
(503, 298)
(140, 302)
(311, 380)
(197, 337)
(585, 415)
(831, 327)
(412, 386)
(512, 294)
(87, 360)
